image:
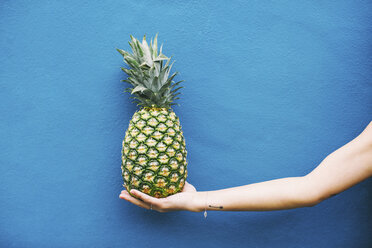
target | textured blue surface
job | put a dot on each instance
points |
(271, 89)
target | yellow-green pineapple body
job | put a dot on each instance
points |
(154, 153)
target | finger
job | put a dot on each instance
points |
(124, 192)
(126, 196)
(134, 201)
(146, 198)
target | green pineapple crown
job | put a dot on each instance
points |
(148, 75)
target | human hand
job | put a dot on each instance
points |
(180, 201)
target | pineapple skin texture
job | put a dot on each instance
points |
(154, 153)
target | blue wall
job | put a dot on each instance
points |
(271, 89)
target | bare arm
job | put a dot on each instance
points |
(339, 171)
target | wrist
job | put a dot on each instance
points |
(198, 203)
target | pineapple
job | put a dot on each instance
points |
(154, 151)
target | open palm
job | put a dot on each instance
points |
(179, 201)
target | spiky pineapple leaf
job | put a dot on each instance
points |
(138, 88)
(149, 74)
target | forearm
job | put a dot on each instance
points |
(342, 169)
(276, 194)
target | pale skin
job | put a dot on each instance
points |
(345, 167)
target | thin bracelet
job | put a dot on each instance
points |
(205, 208)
